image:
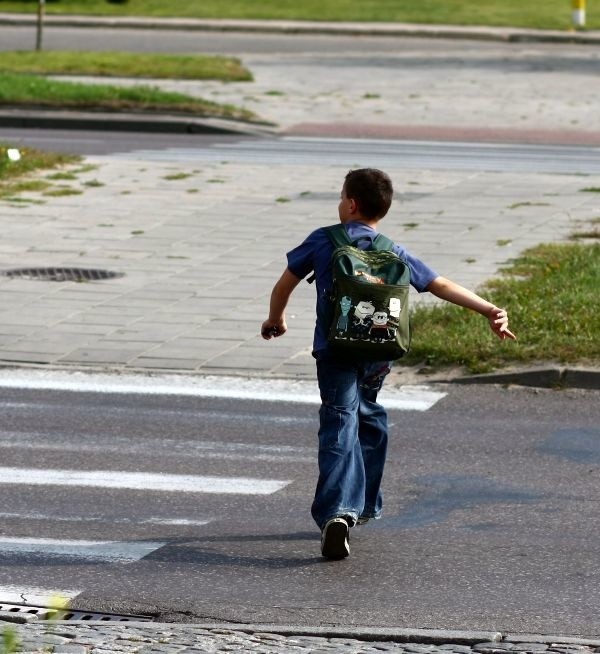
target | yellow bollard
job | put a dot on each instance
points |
(578, 13)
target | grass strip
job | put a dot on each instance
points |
(15, 176)
(125, 64)
(551, 293)
(550, 14)
(32, 90)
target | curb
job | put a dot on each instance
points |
(542, 377)
(506, 34)
(130, 122)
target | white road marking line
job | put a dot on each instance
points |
(34, 596)
(409, 398)
(164, 447)
(186, 522)
(141, 481)
(104, 551)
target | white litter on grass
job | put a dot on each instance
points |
(408, 398)
(13, 154)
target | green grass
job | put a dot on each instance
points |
(124, 64)
(550, 14)
(551, 294)
(16, 176)
(16, 89)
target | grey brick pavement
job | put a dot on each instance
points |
(143, 638)
(199, 257)
(174, 224)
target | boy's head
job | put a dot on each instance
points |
(371, 190)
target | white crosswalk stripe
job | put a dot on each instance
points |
(141, 481)
(97, 551)
(408, 398)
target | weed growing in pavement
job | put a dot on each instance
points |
(518, 205)
(176, 176)
(10, 641)
(62, 192)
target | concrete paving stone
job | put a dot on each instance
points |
(70, 649)
(98, 356)
(27, 357)
(238, 365)
(49, 346)
(97, 319)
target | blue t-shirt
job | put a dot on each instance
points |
(314, 254)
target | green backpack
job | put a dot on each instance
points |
(370, 318)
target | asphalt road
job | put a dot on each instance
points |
(543, 56)
(197, 148)
(490, 513)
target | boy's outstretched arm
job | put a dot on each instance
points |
(275, 324)
(457, 294)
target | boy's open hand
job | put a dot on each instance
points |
(498, 319)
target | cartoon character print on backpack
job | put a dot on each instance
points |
(366, 322)
(343, 320)
(362, 319)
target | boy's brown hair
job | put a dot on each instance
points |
(372, 191)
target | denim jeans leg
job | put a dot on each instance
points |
(373, 437)
(341, 485)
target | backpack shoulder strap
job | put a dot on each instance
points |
(382, 242)
(338, 235)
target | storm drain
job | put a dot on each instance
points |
(61, 274)
(44, 613)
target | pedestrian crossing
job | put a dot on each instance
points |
(47, 509)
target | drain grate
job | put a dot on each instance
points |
(44, 613)
(62, 274)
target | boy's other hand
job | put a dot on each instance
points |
(499, 324)
(272, 329)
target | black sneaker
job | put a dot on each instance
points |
(335, 539)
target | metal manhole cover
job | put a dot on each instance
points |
(61, 274)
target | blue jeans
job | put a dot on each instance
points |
(352, 440)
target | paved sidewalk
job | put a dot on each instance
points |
(200, 243)
(200, 234)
